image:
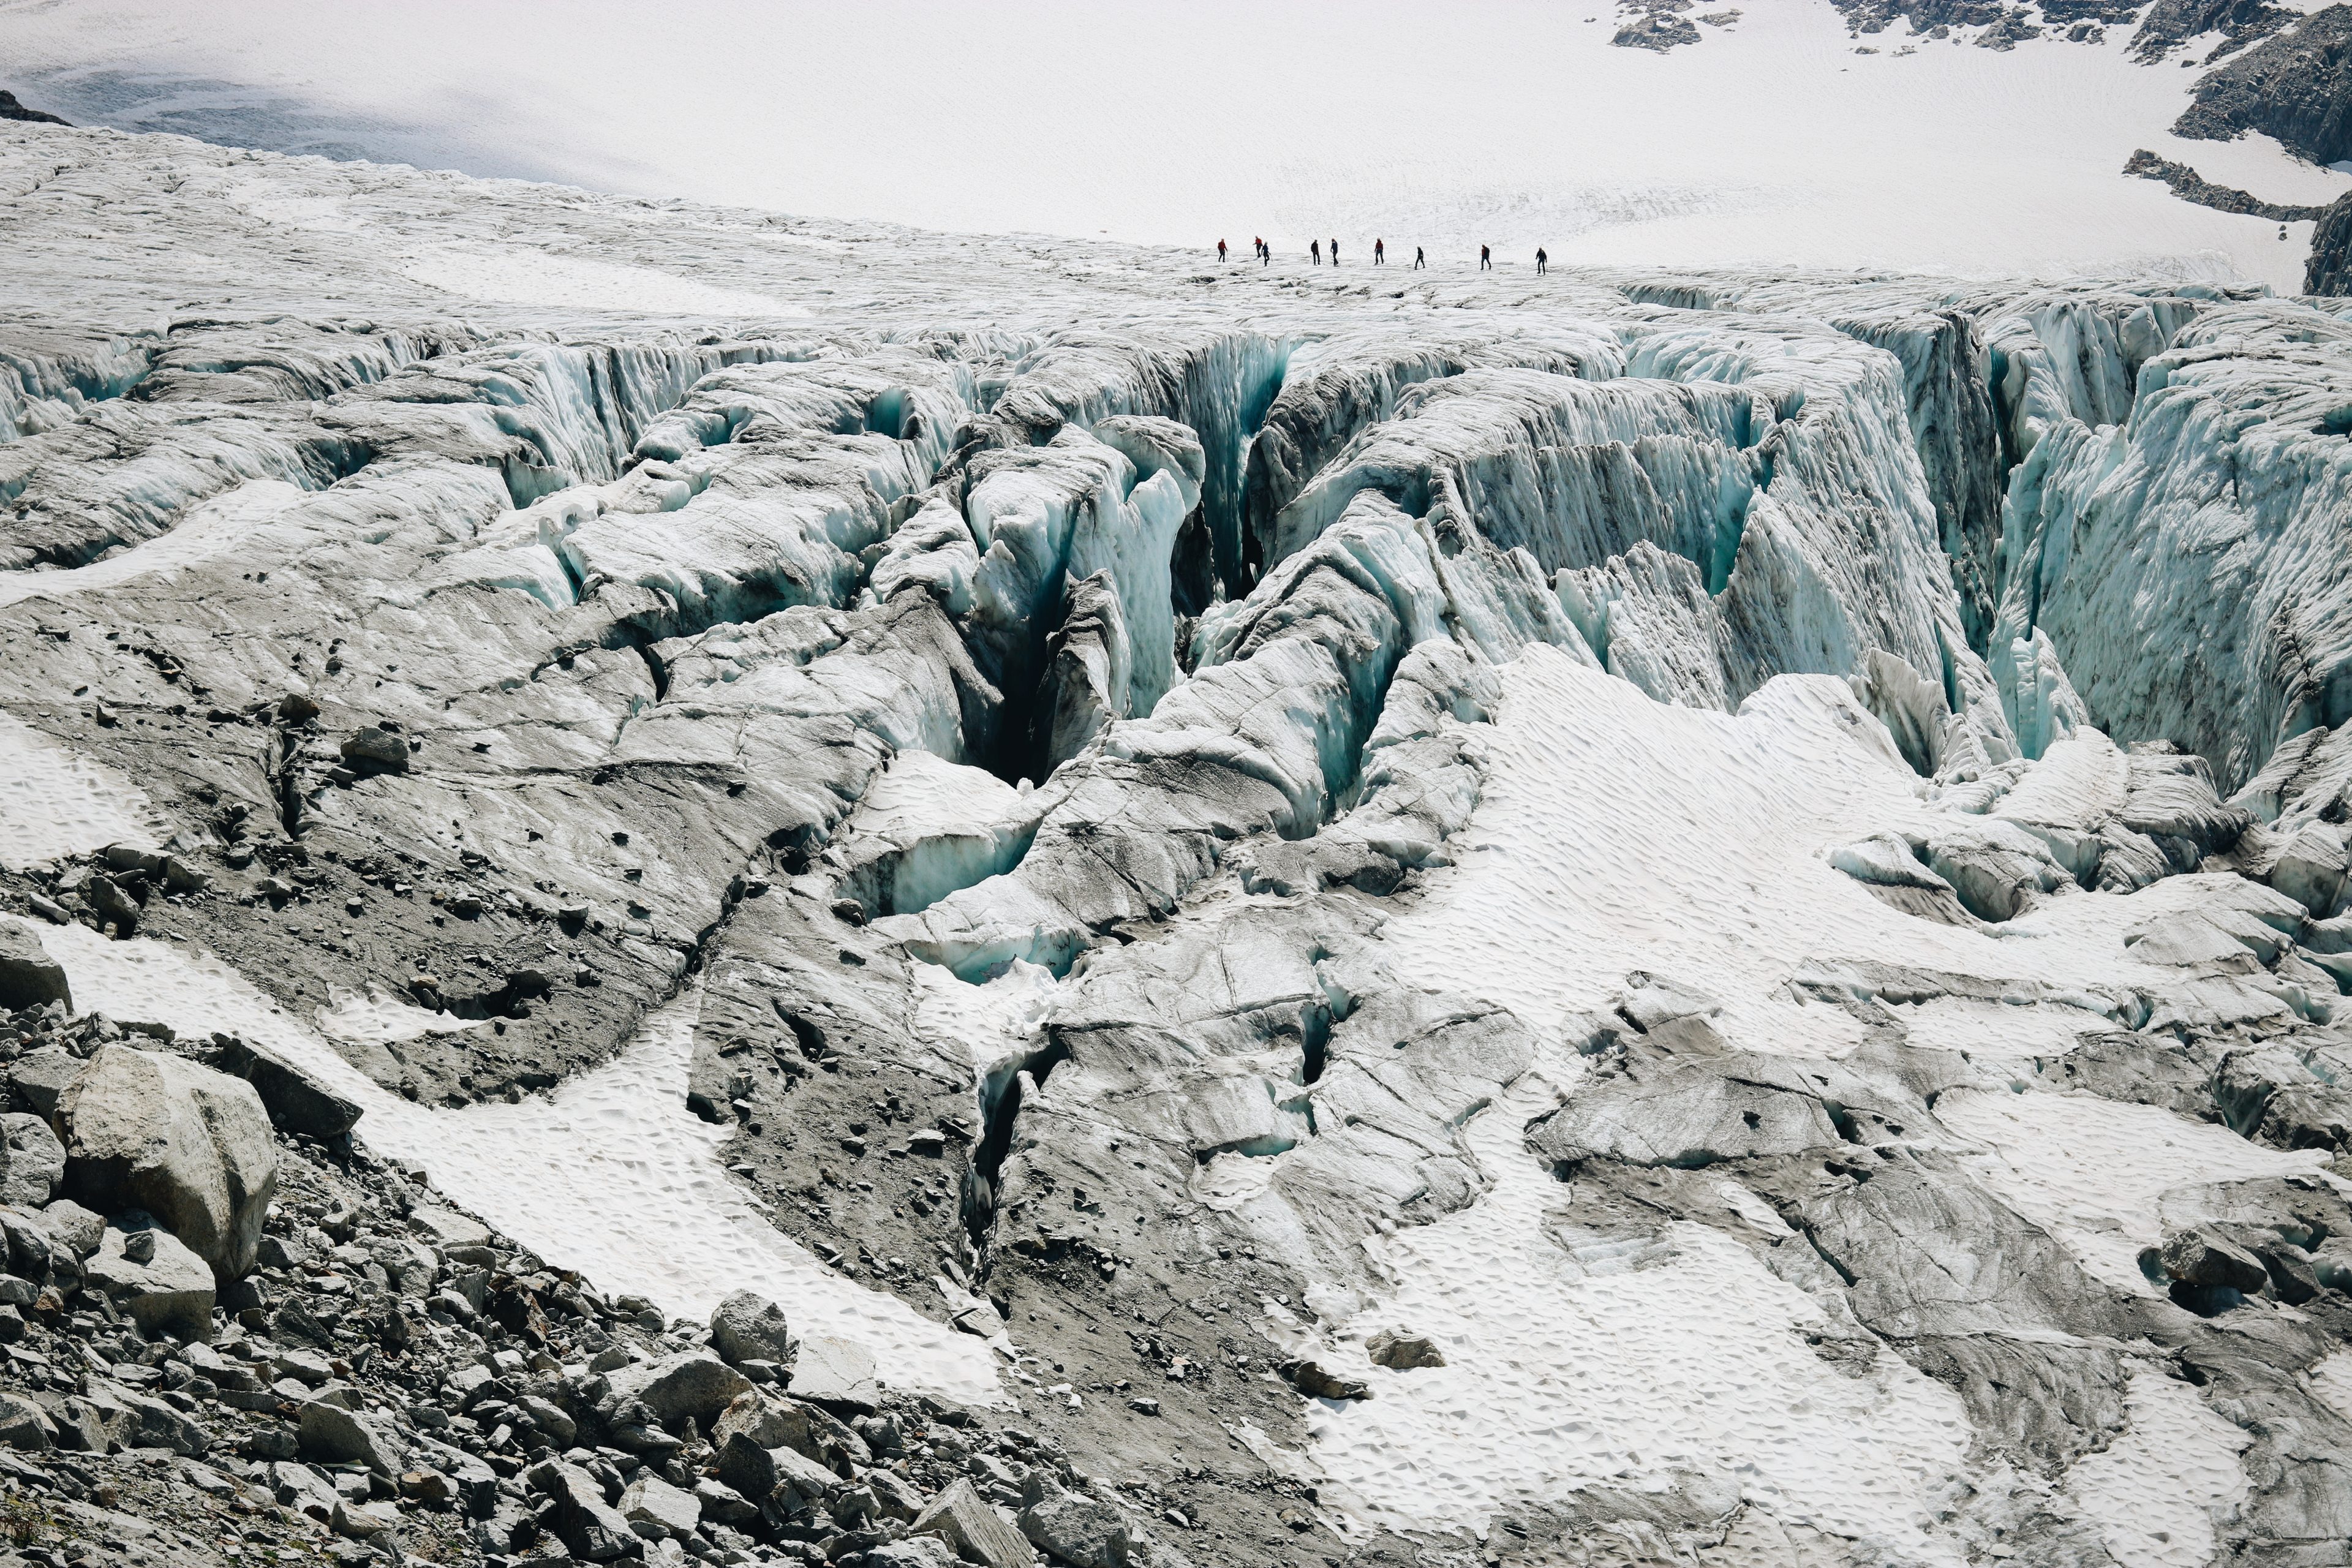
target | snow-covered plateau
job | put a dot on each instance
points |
(1635, 916)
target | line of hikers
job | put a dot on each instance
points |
(1264, 254)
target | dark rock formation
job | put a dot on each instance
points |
(2170, 23)
(2330, 271)
(10, 108)
(2296, 86)
(2191, 187)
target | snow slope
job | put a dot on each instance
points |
(612, 1171)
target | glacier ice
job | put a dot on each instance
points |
(1731, 849)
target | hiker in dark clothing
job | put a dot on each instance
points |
(1264, 254)
(1541, 260)
(1315, 249)
(1335, 253)
(1417, 262)
(1220, 250)
(1379, 253)
(1486, 263)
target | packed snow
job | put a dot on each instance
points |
(1511, 126)
(611, 1172)
(1679, 1361)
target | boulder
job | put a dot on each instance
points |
(40, 1077)
(1073, 1528)
(836, 1374)
(146, 1423)
(590, 1528)
(331, 1435)
(655, 1509)
(360, 1521)
(694, 1383)
(748, 1326)
(189, 1145)
(760, 1473)
(30, 1249)
(73, 1227)
(295, 1098)
(24, 1424)
(375, 750)
(973, 1527)
(915, 1552)
(1402, 1352)
(2203, 1257)
(29, 977)
(32, 1161)
(169, 1290)
(1316, 1380)
(723, 1503)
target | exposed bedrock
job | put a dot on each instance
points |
(2329, 271)
(2295, 86)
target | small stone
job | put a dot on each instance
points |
(375, 749)
(1317, 1380)
(1402, 1352)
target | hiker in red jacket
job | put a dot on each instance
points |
(1485, 264)
(1379, 253)
(1220, 250)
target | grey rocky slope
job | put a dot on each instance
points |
(1046, 716)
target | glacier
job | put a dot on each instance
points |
(1756, 859)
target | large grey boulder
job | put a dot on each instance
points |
(590, 1528)
(1074, 1528)
(655, 1509)
(29, 977)
(2203, 1255)
(190, 1145)
(836, 1374)
(694, 1383)
(155, 1281)
(73, 1227)
(334, 1436)
(24, 1424)
(32, 1161)
(41, 1078)
(747, 1326)
(972, 1526)
(296, 1100)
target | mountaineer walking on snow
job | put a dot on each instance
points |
(1540, 260)
(1486, 263)
(1417, 262)
(1220, 250)
(1379, 253)
(1315, 249)
(1335, 251)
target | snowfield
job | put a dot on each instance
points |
(1776, 140)
(1687, 913)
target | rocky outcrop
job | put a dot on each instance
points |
(10, 108)
(2329, 271)
(2296, 86)
(2190, 186)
